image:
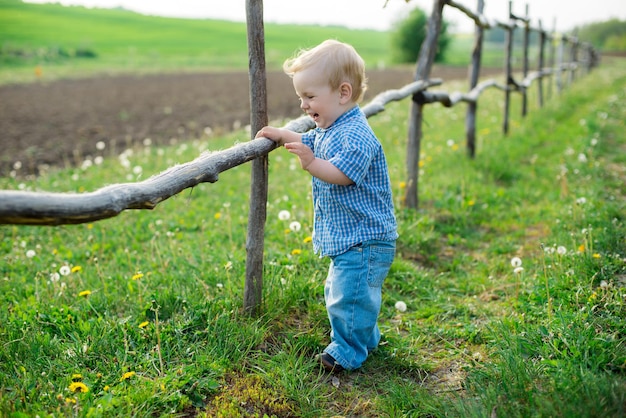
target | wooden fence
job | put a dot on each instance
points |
(34, 208)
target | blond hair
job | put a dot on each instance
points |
(338, 62)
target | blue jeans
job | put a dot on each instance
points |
(353, 294)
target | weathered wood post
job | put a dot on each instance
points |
(559, 66)
(507, 69)
(542, 44)
(525, 63)
(552, 59)
(425, 62)
(470, 116)
(253, 289)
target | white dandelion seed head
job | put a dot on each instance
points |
(30, 253)
(400, 306)
(295, 226)
(581, 200)
(604, 284)
(516, 262)
(518, 270)
(582, 158)
(54, 277)
(561, 250)
(284, 215)
(100, 145)
(65, 270)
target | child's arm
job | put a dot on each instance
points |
(317, 167)
(281, 136)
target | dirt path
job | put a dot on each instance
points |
(60, 123)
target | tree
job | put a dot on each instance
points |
(409, 35)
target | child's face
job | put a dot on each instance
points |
(323, 104)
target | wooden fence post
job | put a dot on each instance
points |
(507, 69)
(470, 116)
(425, 62)
(525, 63)
(542, 44)
(253, 289)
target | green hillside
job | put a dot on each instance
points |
(64, 38)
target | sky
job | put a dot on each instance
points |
(371, 14)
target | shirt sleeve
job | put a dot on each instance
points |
(355, 157)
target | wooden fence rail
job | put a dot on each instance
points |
(34, 208)
(44, 208)
(482, 22)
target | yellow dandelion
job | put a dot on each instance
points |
(287, 230)
(581, 248)
(471, 202)
(84, 293)
(76, 269)
(78, 387)
(217, 215)
(127, 376)
(144, 324)
(137, 276)
(89, 226)
(106, 388)
(403, 184)
(421, 164)
(77, 377)
(296, 251)
(70, 400)
(596, 255)
(307, 240)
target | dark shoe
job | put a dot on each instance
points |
(328, 362)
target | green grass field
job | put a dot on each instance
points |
(513, 272)
(76, 41)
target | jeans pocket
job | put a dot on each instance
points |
(380, 259)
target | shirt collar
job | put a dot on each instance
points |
(347, 115)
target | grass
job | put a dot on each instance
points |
(513, 270)
(111, 41)
(142, 314)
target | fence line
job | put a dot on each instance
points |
(34, 208)
(482, 22)
(19, 207)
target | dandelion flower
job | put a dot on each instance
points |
(516, 262)
(284, 215)
(77, 377)
(403, 184)
(144, 324)
(400, 306)
(307, 240)
(296, 251)
(127, 376)
(106, 388)
(76, 269)
(581, 248)
(561, 250)
(65, 270)
(78, 387)
(137, 276)
(30, 253)
(518, 270)
(295, 226)
(217, 215)
(84, 293)
(581, 200)
(596, 255)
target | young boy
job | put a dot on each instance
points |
(354, 221)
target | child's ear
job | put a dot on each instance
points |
(345, 92)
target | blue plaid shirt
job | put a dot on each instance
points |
(346, 216)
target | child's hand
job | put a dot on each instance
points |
(304, 153)
(269, 132)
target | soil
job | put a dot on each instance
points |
(51, 124)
